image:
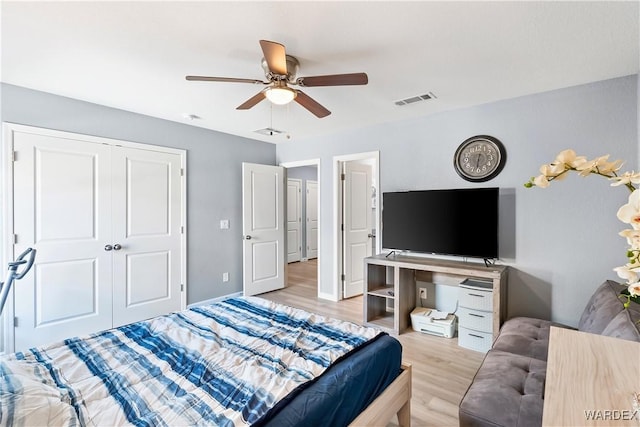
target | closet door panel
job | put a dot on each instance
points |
(65, 200)
(146, 221)
(148, 277)
(62, 207)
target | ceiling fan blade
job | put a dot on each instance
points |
(275, 56)
(224, 79)
(252, 101)
(334, 80)
(310, 104)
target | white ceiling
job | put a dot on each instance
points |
(135, 55)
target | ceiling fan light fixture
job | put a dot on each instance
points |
(280, 69)
(280, 95)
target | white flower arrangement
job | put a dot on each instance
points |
(629, 213)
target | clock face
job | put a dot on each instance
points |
(479, 158)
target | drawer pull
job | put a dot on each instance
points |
(476, 295)
(475, 315)
(477, 336)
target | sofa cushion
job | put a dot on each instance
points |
(603, 306)
(506, 391)
(525, 336)
(625, 326)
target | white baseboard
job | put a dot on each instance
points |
(327, 296)
(212, 300)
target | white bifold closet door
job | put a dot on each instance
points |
(146, 224)
(106, 223)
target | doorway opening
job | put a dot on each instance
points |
(303, 223)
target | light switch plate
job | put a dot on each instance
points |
(224, 224)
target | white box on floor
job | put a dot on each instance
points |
(421, 321)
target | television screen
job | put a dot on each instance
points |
(461, 222)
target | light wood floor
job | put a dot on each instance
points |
(442, 371)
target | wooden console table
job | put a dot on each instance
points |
(394, 279)
(590, 380)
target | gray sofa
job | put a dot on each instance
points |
(508, 389)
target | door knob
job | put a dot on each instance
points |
(247, 237)
(370, 235)
(117, 247)
(108, 247)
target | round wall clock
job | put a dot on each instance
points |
(480, 158)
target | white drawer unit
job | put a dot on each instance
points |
(474, 340)
(475, 315)
(477, 298)
(475, 319)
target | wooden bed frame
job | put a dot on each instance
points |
(395, 399)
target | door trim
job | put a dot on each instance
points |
(337, 290)
(6, 249)
(316, 163)
(6, 208)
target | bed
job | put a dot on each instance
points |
(240, 361)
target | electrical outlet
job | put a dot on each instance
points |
(423, 293)
(225, 277)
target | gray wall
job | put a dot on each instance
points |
(565, 239)
(305, 173)
(214, 175)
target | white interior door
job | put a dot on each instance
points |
(106, 220)
(357, 225)
(312, 219)
(62, 208)
(146, 234)
(294, 220)
(263, 228)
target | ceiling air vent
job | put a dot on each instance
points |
(269, 131)
(414, 99)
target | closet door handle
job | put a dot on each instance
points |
(247, 237)
(108, 247)
(117, 247)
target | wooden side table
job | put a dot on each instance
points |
(591, 380)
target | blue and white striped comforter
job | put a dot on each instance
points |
(222, 364)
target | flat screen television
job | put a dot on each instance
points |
(461, 222)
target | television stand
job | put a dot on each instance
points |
(394, 279)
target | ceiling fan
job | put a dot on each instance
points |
(280, 70)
